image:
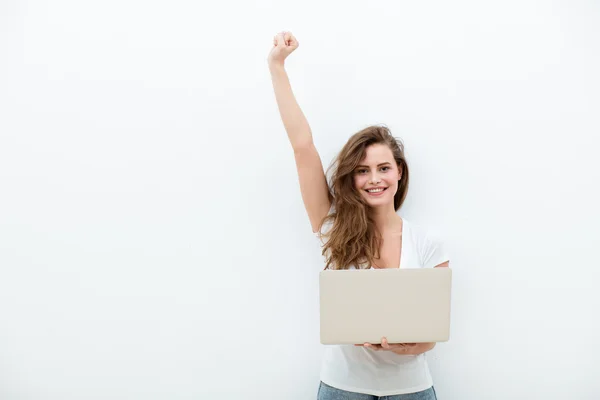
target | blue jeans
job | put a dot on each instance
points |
(327, 392)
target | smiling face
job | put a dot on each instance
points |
(377, 175)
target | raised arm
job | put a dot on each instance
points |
(313, 184)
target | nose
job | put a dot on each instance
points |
(375, 178)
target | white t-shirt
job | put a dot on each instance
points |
(385, 373)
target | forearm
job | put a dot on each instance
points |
(293, 118)
(416, 350)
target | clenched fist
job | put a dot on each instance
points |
(284, 43)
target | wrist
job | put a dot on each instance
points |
(276, 65)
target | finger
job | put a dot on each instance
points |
(281, 39)
(374, 347)
(293, 41)
(384, 343)
(390, 346)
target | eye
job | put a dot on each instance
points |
(360, 171)
(385, 168)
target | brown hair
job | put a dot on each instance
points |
(353, 238)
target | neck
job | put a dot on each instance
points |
(386, 219)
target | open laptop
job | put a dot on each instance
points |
(404, 305)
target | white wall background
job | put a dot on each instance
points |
(153, 242)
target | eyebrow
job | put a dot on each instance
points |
(379, 165)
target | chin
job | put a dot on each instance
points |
(380, 202)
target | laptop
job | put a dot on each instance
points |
(404, 305)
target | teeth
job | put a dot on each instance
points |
(374, 190)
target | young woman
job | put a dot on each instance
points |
(358, 217)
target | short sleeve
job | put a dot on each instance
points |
(432, 251)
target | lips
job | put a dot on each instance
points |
(378, 191)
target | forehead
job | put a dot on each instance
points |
(377, 154)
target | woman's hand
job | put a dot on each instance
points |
(284, 43)
(395, 347)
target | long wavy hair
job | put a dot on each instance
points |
(353, 238)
